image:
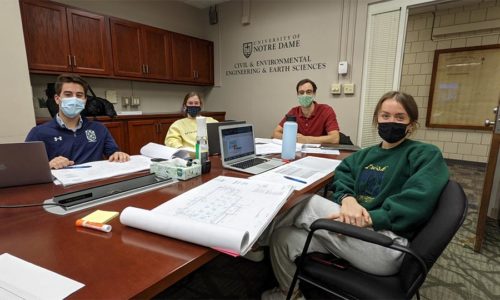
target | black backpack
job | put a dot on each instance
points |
(95, 106)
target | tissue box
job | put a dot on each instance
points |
(166, 169)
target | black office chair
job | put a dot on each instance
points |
(344, 139)
(421, 254)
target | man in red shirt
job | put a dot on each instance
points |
(317, 123)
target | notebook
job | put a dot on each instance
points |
(24, 163)
(237, 145)
(213, 135)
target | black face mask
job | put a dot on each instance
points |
(193, 111)
(392, 132)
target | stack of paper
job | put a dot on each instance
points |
(101, 169)
(100, 216)
(20, 279)
(300, 173)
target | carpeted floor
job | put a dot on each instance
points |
(460, 273)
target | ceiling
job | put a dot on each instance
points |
(203, 3)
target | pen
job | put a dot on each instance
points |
(295, 179)
(76, 167)
(93, 225)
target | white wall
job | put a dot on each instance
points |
(328, 31)
(16, 114)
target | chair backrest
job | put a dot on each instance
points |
(432, 239)
(344, 139)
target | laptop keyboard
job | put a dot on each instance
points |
(250, 163)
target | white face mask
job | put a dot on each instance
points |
(72, 106)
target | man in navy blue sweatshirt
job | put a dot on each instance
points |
(69, 138)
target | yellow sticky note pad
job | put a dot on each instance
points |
(100, 216)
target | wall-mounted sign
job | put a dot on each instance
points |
(274, 65)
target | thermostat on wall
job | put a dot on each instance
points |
(342, 67)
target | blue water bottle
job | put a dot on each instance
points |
(289, 138)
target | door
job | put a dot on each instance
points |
(157, 56)
(491, 180)
(141, 132)
(117, 130)
(89, 40)
(181, 58)
(42, 22)
(126, 44)
(163, 126)
(203, 58)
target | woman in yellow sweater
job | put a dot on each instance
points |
(182, 133)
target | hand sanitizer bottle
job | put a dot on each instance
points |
(289, 141)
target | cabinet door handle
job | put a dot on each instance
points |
(69, 60)
(74, 61)
(147, 69)
(194, 74)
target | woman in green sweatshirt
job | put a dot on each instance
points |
(391, 188)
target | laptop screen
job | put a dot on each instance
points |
(237, 142)
(213, 135)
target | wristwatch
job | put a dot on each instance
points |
(345, 196)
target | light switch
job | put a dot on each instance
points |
(335, 88)
(111, 96)
(125, 101)
(348, 88)
(136, 101)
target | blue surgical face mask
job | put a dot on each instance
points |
(193, 111)
(71, 107)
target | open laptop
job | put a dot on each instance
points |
(213, 135)
(24, 163)
(237, 145)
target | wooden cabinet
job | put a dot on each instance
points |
(142, 132)
(118, 131)
(140, 50)
(61, 39)
(64, 39)
(192, 59)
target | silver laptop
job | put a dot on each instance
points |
(237, 145)
(24, 163)
(213, 135)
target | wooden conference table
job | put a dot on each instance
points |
(124, 263)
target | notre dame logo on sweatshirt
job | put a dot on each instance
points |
(91, 136)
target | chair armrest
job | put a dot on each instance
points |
(352, 231)
(362, 234)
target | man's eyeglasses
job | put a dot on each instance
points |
(308, 92)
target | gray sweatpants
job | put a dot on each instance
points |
(287, 234)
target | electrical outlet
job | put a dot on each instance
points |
(111, 96)
(136, 101)
(335, 88)
(348, 88)
(125, 101)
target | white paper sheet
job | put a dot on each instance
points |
(175, 227)
(20, 279)
(154, 150)
(320, 151)
(300, 173)
(226, 212)
(270, 146)
(101, 169)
